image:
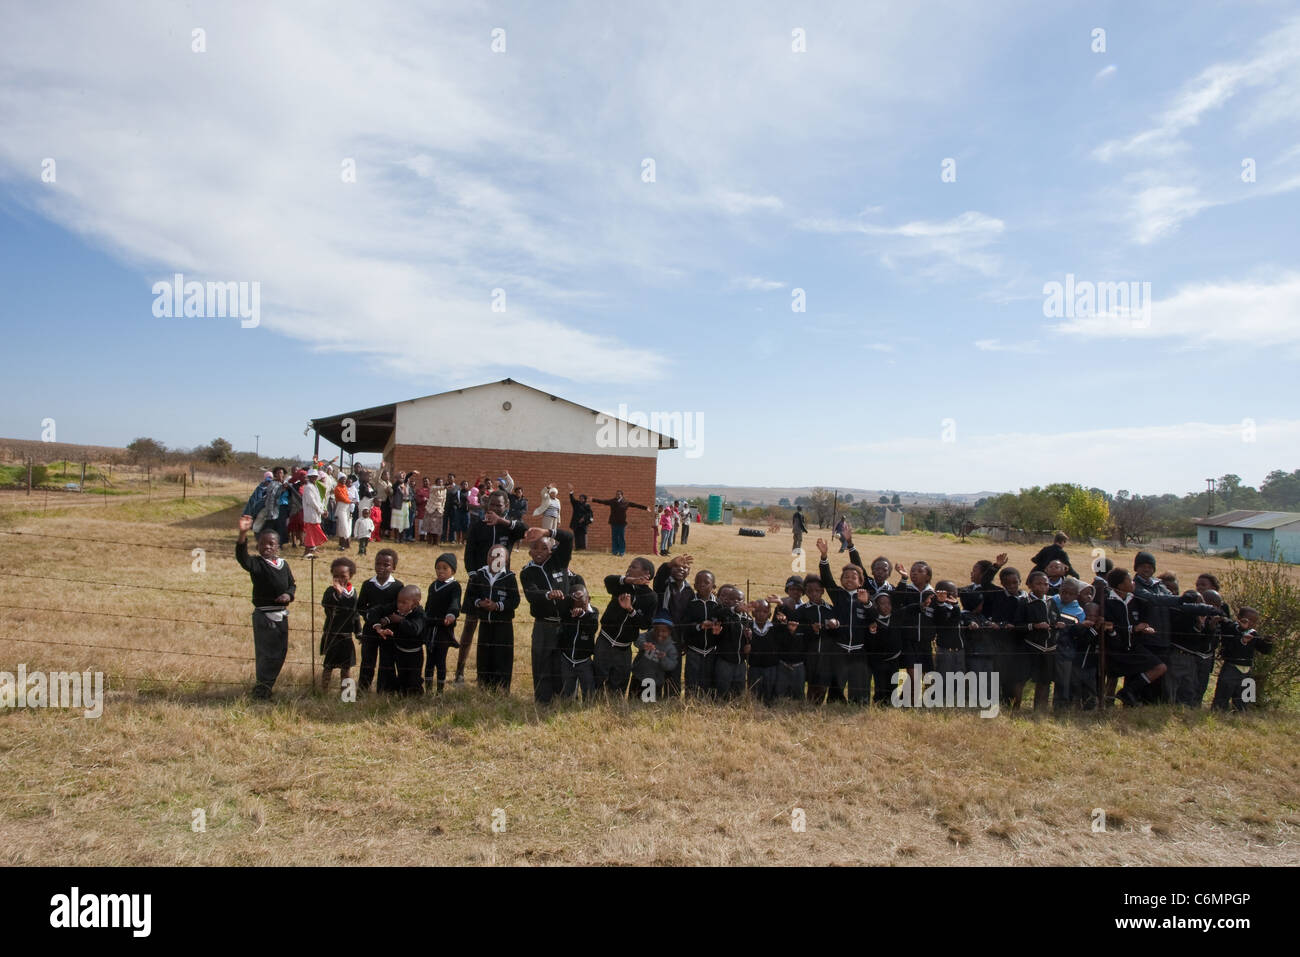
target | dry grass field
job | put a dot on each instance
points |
(311, 780)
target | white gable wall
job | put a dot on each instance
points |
(535, 423)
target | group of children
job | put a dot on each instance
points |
(663, 632)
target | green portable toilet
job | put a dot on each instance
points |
(715, 510)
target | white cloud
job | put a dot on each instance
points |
(1106, 72)
(962, 241)
(996, 345)
(757, 284)
(1251, 313)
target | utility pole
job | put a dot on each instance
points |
(257, 445)
(1209, 505)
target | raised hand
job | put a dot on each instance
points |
(864, 596)
(822, 546)
(625, 601)
(245, 523)
(1001, 559)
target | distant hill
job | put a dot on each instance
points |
(766, 495)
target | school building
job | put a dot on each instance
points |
(1253, 534)
(538, 437)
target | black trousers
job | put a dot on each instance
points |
(612, 667)
(882, 675)
(270, 648)
(547, 678)
(386, 674)
(496, 654)
(409, 665)
(580, 538)
(851, 669)
(370, 643)
(435, 660)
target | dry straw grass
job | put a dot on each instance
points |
(310, 780)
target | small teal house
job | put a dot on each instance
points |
(1252, 533)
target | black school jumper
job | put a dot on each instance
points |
(270, 620)
(619, 629)
(496, 645)
(818, 641)
(342, 623)
(791, 675)
(701, 644)
(443, 600)
(764, 664)
(537, 580)
(1238, 651)
(577, 643)
(849, 661)
(729, 668)
(408, 650)
(674, 598)
(375, 602)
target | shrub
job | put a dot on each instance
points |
(1270, 588)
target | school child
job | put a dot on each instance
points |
(295, 486)
(701, 626)
(949, 631)
(914, 619)
(817, 623)
(273, 591)
(1193, 641)
(1056, 574)
(656, 659)
(577, 645)
(313, 509)
(441, 608)
(1149, 588)
(729, 664)
(879, 580)
(342, 622)
(364, 526)
(494, 594)
(762, 638)
(981, 638)
(403, 630)
(631, 611)
(884, 648)
(665, 523)
(853, 614)
(492, 529)
(547, 584)
(674, 596)
(378, 598)
(1038, 660)
(1125, 626)
(1071, 614)
(1241, 639)
(1005, 608)
(1087, 639)
(791, 675)
(376, 532)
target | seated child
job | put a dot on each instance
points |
(656, 659)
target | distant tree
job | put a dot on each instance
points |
(822, 502)
(847, 499)
(883, 500)
(1281, 490)
(894, 499)
(1130, 516)
(784, 503)
(143, 450)
(1083, 515)
(219, 451)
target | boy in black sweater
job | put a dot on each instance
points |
(378, 598)
(817, 624)
(492, 529)
(548, 586)
(494, 594)
(273, 590)
(791, 675)
(1240, 640)
(1041, 625)
(764, 663)
(729, 668)
(404, 629)
(577, 644)
(441, 608)
(675, 594)
(701, 626)
(630, 612)
(854, 612)
(884, 648)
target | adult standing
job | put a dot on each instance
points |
(435, 511)
(581, 518)
(383, 491)
(798, 526)
(549, 509)
(455, 502)
(618, 507)
(1054, 552)
(421, 506)
(398, 500)
(688, 511)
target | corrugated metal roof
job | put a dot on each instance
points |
(1248, 518)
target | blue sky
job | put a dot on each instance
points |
(775, 170)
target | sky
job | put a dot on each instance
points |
(825, 234)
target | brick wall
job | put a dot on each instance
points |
(599, 476)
